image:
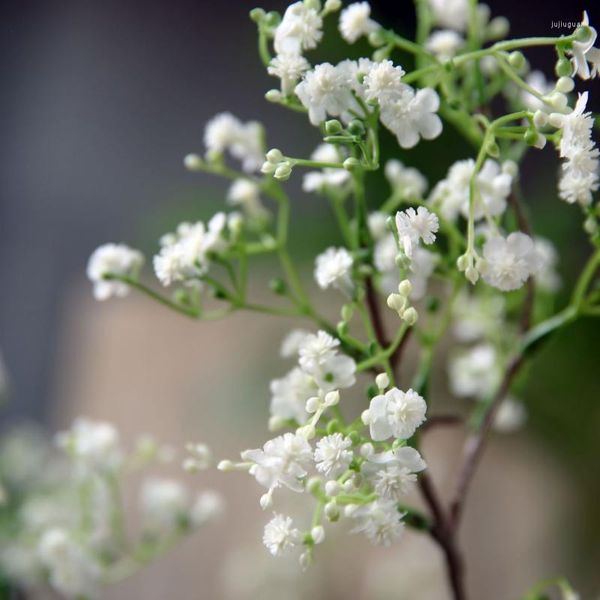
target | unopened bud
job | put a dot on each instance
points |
(382, 381)
(405, 288)
(410, 316)
(192, 162)
(351, 164)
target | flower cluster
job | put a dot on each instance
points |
(69, 529)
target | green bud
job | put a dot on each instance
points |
(314, 4)
(462, 262)
(257, 14)
(583, 33)
(272, 19)
(516, 60)
(563, 67)
(493, 149)
(274, 155)
(347, 312)
(354, 437)
(351, 164)
(283, 172)
(356, 127)
(313, 485)
(333, 127)
(376, 38)
(381, 54)
(278, 286)
(530, 137)
(333, 426)
(342, 328)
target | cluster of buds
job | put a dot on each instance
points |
(277, 165)
(400, 303)
(316, 406)
(200, 458)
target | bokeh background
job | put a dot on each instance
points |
(99, 103)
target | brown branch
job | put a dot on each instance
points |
(396, 356)
(441, 421)
(475, 443)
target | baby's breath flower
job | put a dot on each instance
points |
(380, 521)
(299, 30)
(289, 395)
(333, 268)
(414, 226)
(332, 455)
(280, 536)
(289, 68)
(406, 182)
(113, 259)
(355, 21)
(475, 372)
(383, 82)
(444, 44)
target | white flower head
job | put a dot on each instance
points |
(475, 372)
(333, 268)
(73, 572)
(383, 82)
(289, 395)
(290, 346)
(164, 503)
(280, 535)
(380, 521)
(289, 68)
(244, 141)
(315, 181)
(546, 276)
(246, 194)
(113, 259)
(414, 226)
(444, 44)
(283, 461)
(510, 261)
(407, 182)
(476, 316)
(413, 116)
(377, 223)
(316, 349)
(355, 21)
(393, 472)
(395, 414)
(94, 444)
(299, 30)
(208, 506)
(326, 90)
(333, 455)
(584, 52)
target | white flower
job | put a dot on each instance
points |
(315, 180)
(334, 373)
(406, 182)
(113, 259)
(444, 44)
(289, 68)
(208, 506)
(164, 502)
(377, 223)
(283, 460)
(326, 90)
(246, 193)
(493, 186)
(292, 342)
(475, 372)
(413, 116)
(546, 276)
(280, 535)
(300, 29)
(584, 52)
(316, 349)
(243, 140)
(510, 261)
(581, 170)
(95, 444)
(333, 268)
(73, 572)
(380, 521)
(383, 82)
(183, 255)
(450, 13)
(510, 416)
(476, 316)
(422, 266)
(395, 413)
(394, 472)
(332, 455)
(289, 395)
(355, 21)
(414, 226)
(537, 80)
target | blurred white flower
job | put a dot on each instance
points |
(355, 21)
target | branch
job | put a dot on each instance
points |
(375, 312)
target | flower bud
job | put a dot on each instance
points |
(584, 33)
(347, 312)
(472, 274)
(225, 465)
(266, 500)
(332, 5)
(313, 404)
(332, 488)
(276, 423)
(317, 534)
(257, 14)
(332, 398)
(376, 38)
(382, 381)
(313, 485)
(563, 67)
(498, 28)
(356, 127)
(410, 316)
(268, 168)
(590, 225)
(342, 328)
(332, 512)
(557, 100)
(493, 149)
(365, 417)
(367, 450)
(565, 85)
(277, 286)
(283, 172)
(333, 127)
(405, 288)
(192, 162)
(274, 155)
(540, 119)
(305, 560)
(273, 96)
(351, 164)
(516, 60)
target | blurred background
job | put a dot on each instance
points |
(100, 101)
